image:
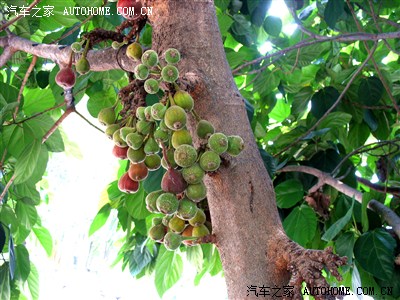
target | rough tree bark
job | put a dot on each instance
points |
(253, 246)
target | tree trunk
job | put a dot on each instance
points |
(240, 195)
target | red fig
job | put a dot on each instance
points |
(120, 152)
(127, 185)
(65, 78)
(129, 9)
(173, 182)
(138, 171)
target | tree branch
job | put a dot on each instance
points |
(388, 215)
(379, 188)
(99, 60)
(347, 37)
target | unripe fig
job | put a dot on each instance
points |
(151, 200)
(151, 146)
(151, 86)
(235, 145)
(134, 140)
(143, 127)
(175, 117)
(140, 113)
(158, 111)
(76, 47)
(65, 78)
(172, 56)
(147, 114)
(185, 155)
(167, 203)
(141, 72)
(138, 171)
(161, 136)
(218, 142)
(152, 162)
(107, 116)
(181, 137)
(173, 182)
(184, 100)
(200, 231)
(136, 156)
(187, 209)
(110, 129)
(172, 241)
(193, 174)
(176, 224)
(124, 131)
(120, 152)
(156, 221)
(134, 51)
(210, 161)
(196, 192)
(162, 125)
(157, 232)
(171, 160)
(199, 218)
(169, 73)
(150, 58)
(118, 139)
(165, 220)
(127, 185)
(116, 45)
(82, 66)
(204, 129)
(129, 9)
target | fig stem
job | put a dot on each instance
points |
(171, 99)
(86, 48)
(197, 117)
(164, 152)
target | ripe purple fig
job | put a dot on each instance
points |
(173, 182)
(65, 78)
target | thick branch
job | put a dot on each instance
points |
(387, 214)
(379, 188)
(100, 60)
(6, 55)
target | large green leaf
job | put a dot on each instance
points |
(169, 268)
(22, 262)
(139, 258)
(272, 25)
(358, 134)
(288, 193)
(136, 206)
(37, 100)
(26, 214)
(5, 281)
(344, 246)
(333, 10)
(45, 239)
(194, 255)
(153, 181)
(335, 120)
(33, 282)
(26, 164)
(335, 228)
(323, 100)
(100, 219)
(300, 224)
(374, 250)
(370, 91)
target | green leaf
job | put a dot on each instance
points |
(33, 282)
(194, 255)
(335, 120)
(300, 224)
(135, 205)
(99, 100)
(169, 268)
(335, 228)
(45, 239)
(23, 265)
(153, 181)
(139, 258)
(323, 100)
(15, 136)
(26, 214)
(5, 281)
(333, 10)
(344, 246)
(374, 250)
(26, 164)
(358, 134)
(269, 162)
(288, 193)
(224, 22)
(272, 25)
(100, 219)
(37, 100)
(370, 91)
(281, 111)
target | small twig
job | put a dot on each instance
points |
(6, 188)
(57, 123)
(90, 123)
(24, 81)
(33, 4)
(353, 77)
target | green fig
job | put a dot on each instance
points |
(134, 51)
(176, 224)
(76, 47)
(184, 100)
(151, 86)
(193, 174)
(171, 160)
(218, 142)
(175, 117)
(172, 241)
(172, 56)
(158, 111)
(110, 129)
(185, 155)
(169, 73)
(196, 192)
(200, 231)
(151, 146)
(136, 156)
(204, 129)
(187, 209)
(161, 136)
(156, 221)
(199, 218)
(143, 127)
(150, 58)
(181, 137)
(141, 72)
(124, 131)
(82, 66)
(134, 140)
(118, 140)
(235, 145)
(210, 161)
(151, 200)
(140, 113)
(157, 232)
(107, 116)
(167, 203)
(153, 162)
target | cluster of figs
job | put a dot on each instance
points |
(156, 136)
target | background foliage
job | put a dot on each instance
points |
(309, 105)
